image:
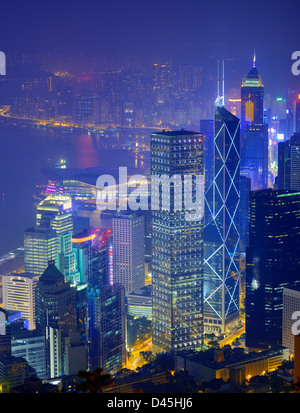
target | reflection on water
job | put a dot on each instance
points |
(23, 155)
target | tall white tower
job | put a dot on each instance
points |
(129, 252)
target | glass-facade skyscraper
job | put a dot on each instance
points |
(177, 245)
(272, 262)
(221, 231)
(289, 164)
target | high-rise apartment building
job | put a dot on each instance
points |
(129, 251)
(177, 243)
(252, 99)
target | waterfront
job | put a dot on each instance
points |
(35, 149)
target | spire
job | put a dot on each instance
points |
(220, 101)
(254, 60)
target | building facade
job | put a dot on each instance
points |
(177, 242)
(221, 231)
(272, 262)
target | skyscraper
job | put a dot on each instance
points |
(177, 244)
(19, 294)
(289, 164)
(107, 337)
(254, 133)
(252, 95)
(40, 246)
(129, 251)
(55, 315)
(256, 154)
(42, 242)
(221, 232)
(272, 262)
(55, 212)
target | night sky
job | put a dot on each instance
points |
(191, 30)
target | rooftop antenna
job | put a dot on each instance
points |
(220, 97)
(254, 60)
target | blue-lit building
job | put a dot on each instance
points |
(107, 334)
(254, 130)
(221, 231)
(289, 164)
(272, 262)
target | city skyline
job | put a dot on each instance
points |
(149, 198)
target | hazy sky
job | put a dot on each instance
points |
(182, 29)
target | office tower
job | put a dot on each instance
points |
(177, 244)
(272, 260)
(256, 153)
(40, 246)
(92, 253)
(290, 305)
(19, 293)
(5, 332)
(31, 346)
(252, 105)
(297, 115)
(221, 232)
(55, 212)
(82, 311)
(42, 242)
(129, 251)
(207, 128)
(107, 337)
(55, 315)
(245, 188)
(66, 258)
(252, 95)
(13, 370)
(289, 164)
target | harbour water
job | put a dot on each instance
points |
(24, 153)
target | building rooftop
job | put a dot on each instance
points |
(181, 132)
(51, 273)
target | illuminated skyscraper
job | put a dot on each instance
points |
(19, 292)
(272, 259)
(56, 316)
(40, 246)
(252, 95)
(129, 251)
(107, 330)
(177, 244)
(221, 232)
(254, 133)
(289, 164)
(55, 212)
